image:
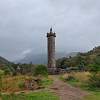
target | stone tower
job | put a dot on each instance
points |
(51, 52)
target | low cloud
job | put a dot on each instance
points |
(24, 24)
(26, 52)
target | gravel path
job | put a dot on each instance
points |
(65, 91)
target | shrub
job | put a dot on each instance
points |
(1, 73)
(40, 70)
(7, 72)
(69, 78)
(94, 68)
(21, 85)
(94, 80)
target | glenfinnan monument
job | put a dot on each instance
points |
(51, 52)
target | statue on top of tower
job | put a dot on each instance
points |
(51, 30)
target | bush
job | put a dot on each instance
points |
(1, 73)
(94, 80)
(94, 68)
(69, 78)
(7, 72)
(40, 70)
(21, 85)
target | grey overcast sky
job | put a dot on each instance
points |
(24, 24)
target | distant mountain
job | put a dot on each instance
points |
(33, 58)
(3, 61)
(42, 58)
(5, 65)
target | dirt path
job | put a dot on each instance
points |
(65, 91)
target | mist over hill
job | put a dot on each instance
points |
(42, 58)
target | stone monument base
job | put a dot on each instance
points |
(52, 71)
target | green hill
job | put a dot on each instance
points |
(3, 61)
(6, 66)
(81, 59)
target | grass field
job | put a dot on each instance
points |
(11, 84)
(42, 95)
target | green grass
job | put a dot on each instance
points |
(43, 95)
(46, 82)
(93, 96)
(73, 82)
